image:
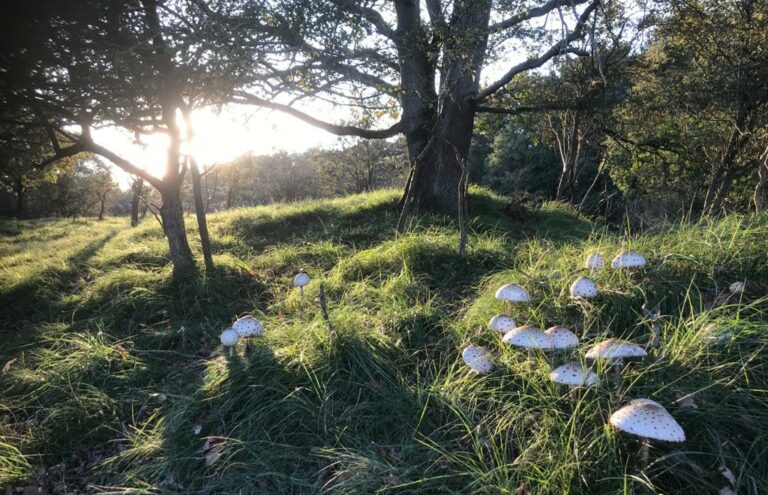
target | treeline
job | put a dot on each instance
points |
(84, 186)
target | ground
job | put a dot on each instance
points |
(113, 379)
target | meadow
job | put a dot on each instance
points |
(113, 379)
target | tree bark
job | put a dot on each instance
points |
(202, 223)
(19, 189)
(103, 201)
(762, 181)
(438, 127)
(138, 188)
(172, 216)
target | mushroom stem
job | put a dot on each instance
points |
(644, 453)
(301, 289)
(231, 351)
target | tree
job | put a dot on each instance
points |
(430, 69)
(135, 66)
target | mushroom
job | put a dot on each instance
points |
(595, 261)
(502, 323)
(736, 287)
(573, 375)
(648, 420)
(584, 287)
(561, 337)
(615, 351)
(628, 259)
(300, 280)
(229, 338)
(478, 359)
(248, 326)
(528, 337)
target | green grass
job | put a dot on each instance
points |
(102, 391)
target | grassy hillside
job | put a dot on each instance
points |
(113, 379)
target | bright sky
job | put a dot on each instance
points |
(219, 139)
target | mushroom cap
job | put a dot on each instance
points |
(648, 419)
(478, 359)
(229, 338)
(513, 293)
(595, 261)
(736, 287)
(502, 323)
(574, 375)
(584, 287)
(528, 337)
(628, 259)
(248, 326)
(561, 337)
(301, 279)
(614, 349)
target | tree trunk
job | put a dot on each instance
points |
(172, 215)
(762, 181)
(19, 188)
(202, 223)
(137, 187)
(438, 128)
(103, 201)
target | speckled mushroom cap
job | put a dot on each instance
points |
(574, 375)
(478, 359)
(528, 337)
(561, 337)
(736, 287)
(595, 261)
(248, 326)
(513, 293)
(648, 419)
(615, 349)
(584, 287)
(628, 259)
(301, 279)
(502, 323)
(229, 338)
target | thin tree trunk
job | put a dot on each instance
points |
(202, 223)
(762, 181)
(19, 190)
(103, 200)
(138, 188)
(172, 216)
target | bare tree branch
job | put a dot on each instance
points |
(533, 63)
(531, 14)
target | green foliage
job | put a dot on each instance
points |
(101, 387)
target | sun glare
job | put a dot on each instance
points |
(218, 138)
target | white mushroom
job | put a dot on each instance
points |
(595, 261)
(584, 287)
(513, 293)
(229, 339)
(528, 337)
(300, 280)
(248, 326)
(628, 259)
(573, 375)
(502, 323)
(478, 359)
(648, 420)
(615, 351)
(561, 337)
(736, 287)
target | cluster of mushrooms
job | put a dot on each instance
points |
(247, 327)
(644, 418)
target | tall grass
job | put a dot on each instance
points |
(113, 380)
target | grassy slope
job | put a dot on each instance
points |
(101, 389)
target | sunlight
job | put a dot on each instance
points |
(219, 138)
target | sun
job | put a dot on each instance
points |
(219, 137)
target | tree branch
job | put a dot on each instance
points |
(531, 14)
(338, 130)
(543, 58)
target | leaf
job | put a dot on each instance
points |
(728, 474)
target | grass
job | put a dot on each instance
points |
(102, 390)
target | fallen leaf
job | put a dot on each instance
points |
(728, 474)
(197, 429)
(688, 401)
